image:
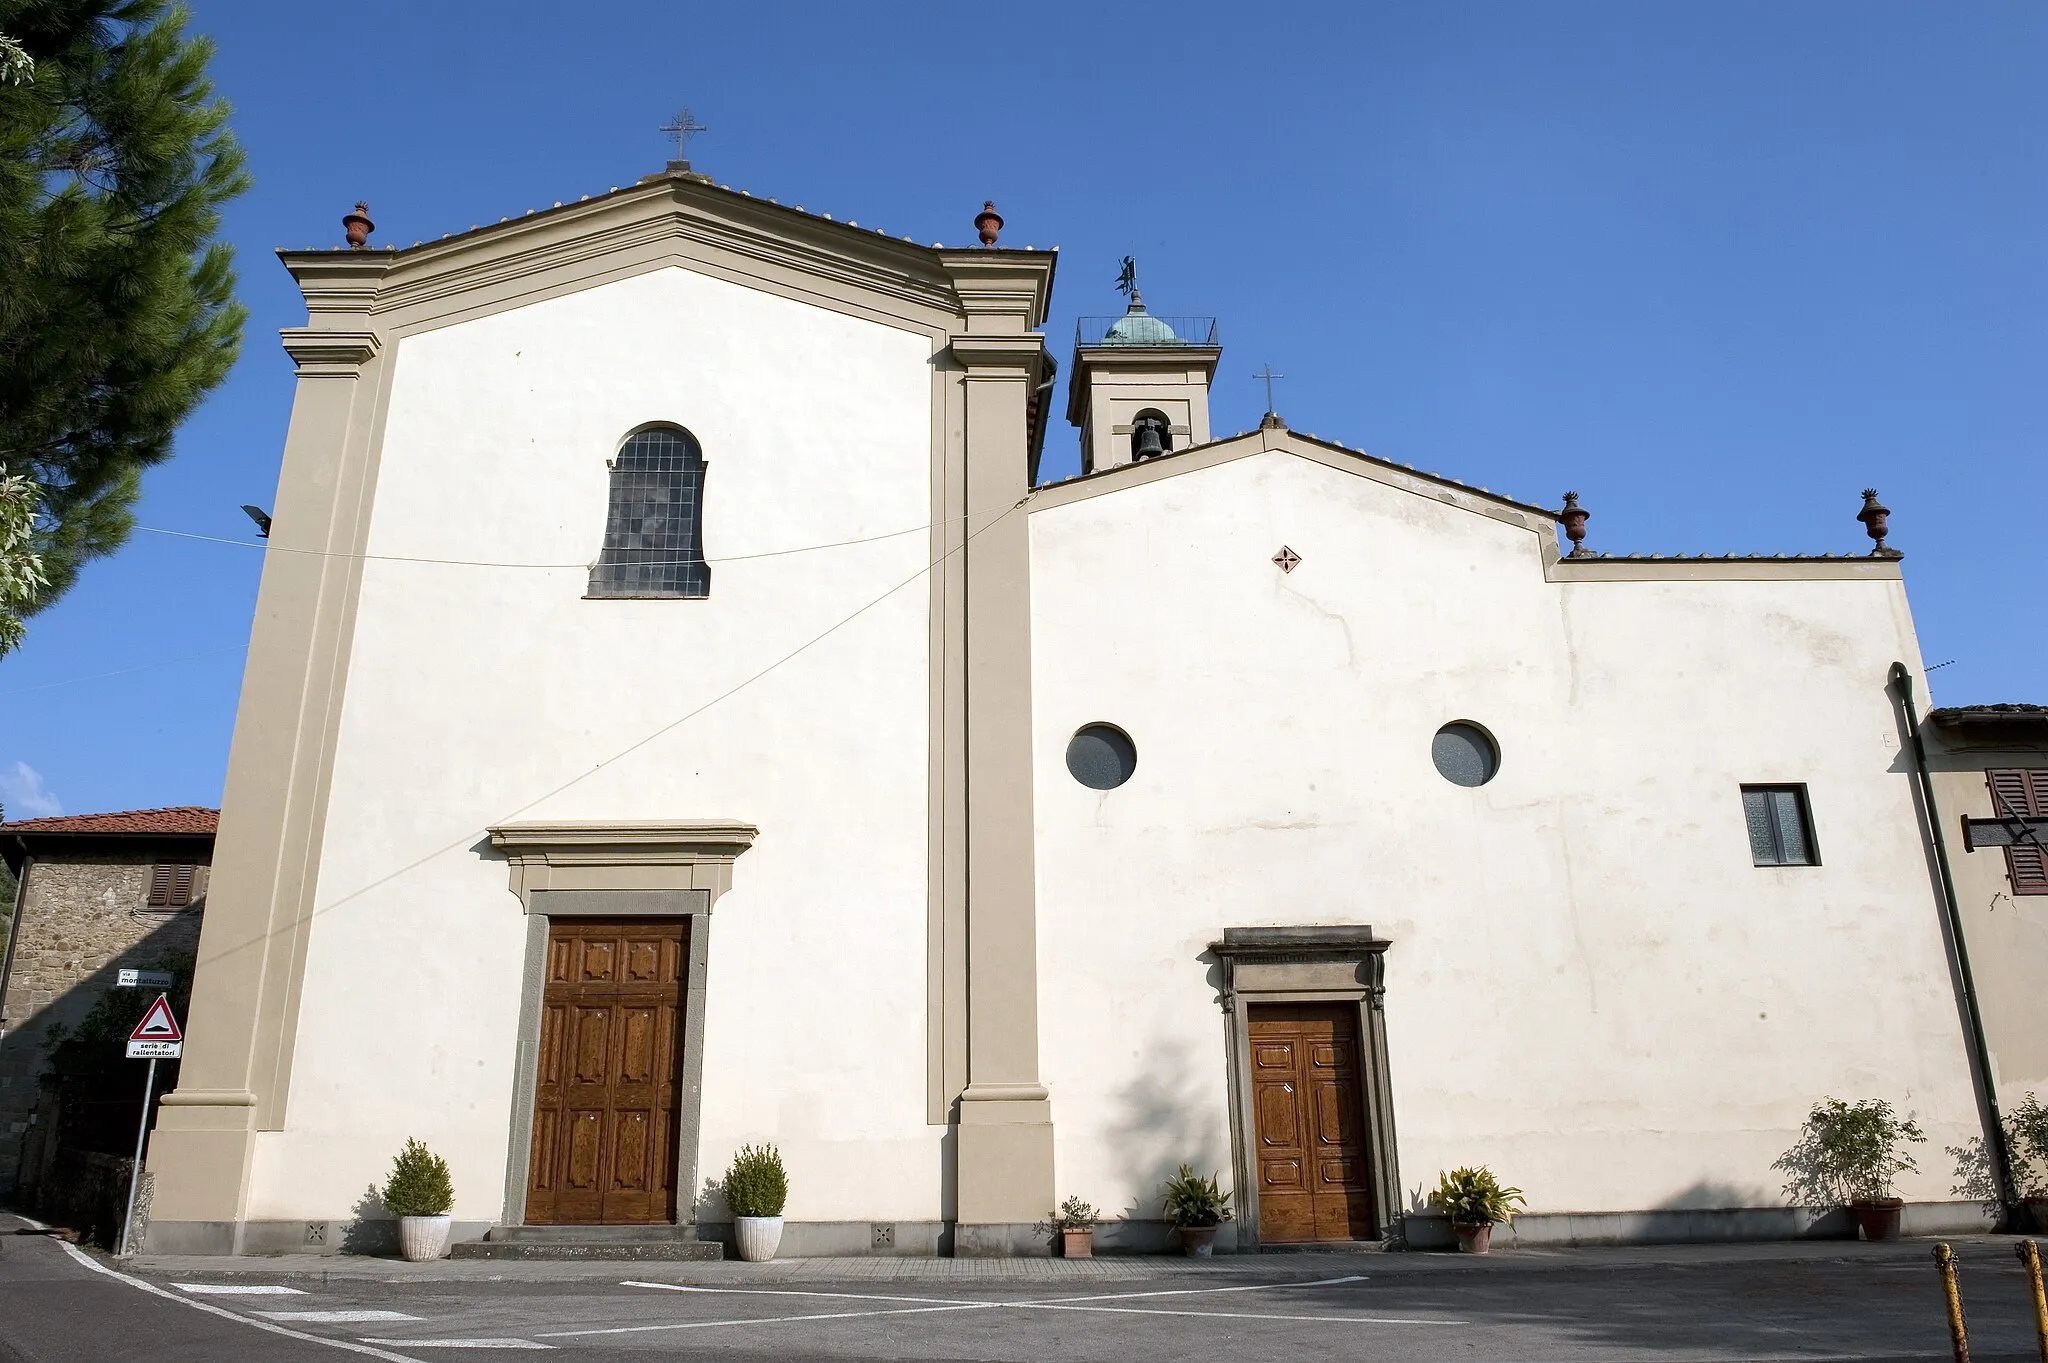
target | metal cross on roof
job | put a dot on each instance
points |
(681, 127)
(1268, 375)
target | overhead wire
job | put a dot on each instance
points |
(469, 835)
(125, 671)
(584, 564)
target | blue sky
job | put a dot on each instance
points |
(1716, 266)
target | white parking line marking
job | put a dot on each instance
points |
(237, 1290)
(1199, 1291)
(85, 1260)
(334, 1317)
(461, 1343)
(792, 1292)
(768, 1320)
(1235, 1315)
(934, 1305)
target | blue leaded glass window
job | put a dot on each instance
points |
(654, 528)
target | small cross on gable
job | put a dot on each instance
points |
(681, 127)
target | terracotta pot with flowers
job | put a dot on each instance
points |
(1850, 1155)
(1195, 1207)
(1475, 1202)
(1075, 1222)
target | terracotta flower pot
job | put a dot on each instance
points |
(1077, 1243)
(422, 1239)
(1198, 1242)
(1473, 1239)
(1877, 1218)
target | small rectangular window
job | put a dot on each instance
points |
(1780, 826)
(170, 885)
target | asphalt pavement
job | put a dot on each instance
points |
(1702, 1304)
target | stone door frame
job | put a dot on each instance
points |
(1309, 965)
(615, 870)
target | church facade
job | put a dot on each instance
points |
(676, 717)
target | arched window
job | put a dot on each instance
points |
(654, 529)
(1151, 434)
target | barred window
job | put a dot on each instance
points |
(654, 529)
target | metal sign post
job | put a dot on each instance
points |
(156, 1037)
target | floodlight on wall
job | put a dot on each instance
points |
(261, 517)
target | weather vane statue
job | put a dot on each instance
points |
(1127, 283)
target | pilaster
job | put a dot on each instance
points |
(245, 998)
(1004, 1168)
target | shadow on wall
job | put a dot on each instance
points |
(69, 1087)
(1165, 1116)
(373, 1230)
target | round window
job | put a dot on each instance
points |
(1465, 754)
(1101, 756)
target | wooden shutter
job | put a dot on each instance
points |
(170, 885)
(2024, 792)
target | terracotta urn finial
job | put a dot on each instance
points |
(1875, 517)
(988, 222)
(358, 226)
(1574, 518)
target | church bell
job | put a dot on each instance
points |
(1146, 441)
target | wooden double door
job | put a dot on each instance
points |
(1314, 1177)
(609, 1077)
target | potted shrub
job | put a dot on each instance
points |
(756, 1187)
(1474, 1201)
(1075, 1222)
(1195, 1207)
(419, 1194)
(1848, 1155)
(2026, 1141)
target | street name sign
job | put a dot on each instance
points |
(143, 979)
(157, 1036)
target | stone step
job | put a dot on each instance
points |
(588, 1235)
(645, 1250)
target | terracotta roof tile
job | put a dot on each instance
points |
(185, 819)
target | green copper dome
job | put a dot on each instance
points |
(1138, 327)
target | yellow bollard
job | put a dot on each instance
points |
(2030, 1260)
(1959, 1335)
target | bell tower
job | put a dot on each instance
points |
(1140, 385)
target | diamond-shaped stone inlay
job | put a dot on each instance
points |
(1287, 559)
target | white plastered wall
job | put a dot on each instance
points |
(1591, 988)
(481, 695)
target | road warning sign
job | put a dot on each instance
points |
(157, 1036)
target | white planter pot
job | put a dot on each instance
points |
(758, 1236)
(421, 1238)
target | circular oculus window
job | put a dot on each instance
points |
(1101, 756)
(1465, 754)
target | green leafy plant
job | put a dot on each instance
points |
(21, 567)
(2026, 1142)
(1075, 1214)
(1474, 1197)
(756, 1184)
(1849, 1152)
(1193, 1201)
(419, 1183)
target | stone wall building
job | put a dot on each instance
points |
(96, 894)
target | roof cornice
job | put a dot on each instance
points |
(428, 283)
